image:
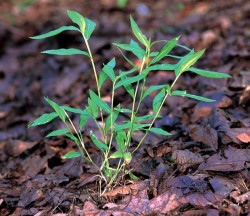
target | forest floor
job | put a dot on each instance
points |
(201, 169)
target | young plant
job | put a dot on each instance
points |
(134, 81)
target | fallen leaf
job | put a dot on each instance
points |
(243, 137)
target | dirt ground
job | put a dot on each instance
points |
(201, 169)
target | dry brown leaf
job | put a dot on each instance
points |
(186, 158)
(243, 137)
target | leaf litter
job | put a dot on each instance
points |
(203, 168)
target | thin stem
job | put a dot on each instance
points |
(97, 84)
(156, 115)
(133, 115)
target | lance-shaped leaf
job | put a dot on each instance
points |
(77, 19)
(102, 146)
(99, 102)
(158, 100)
(139, 52)
(151, 89)
(121, 137)
(187, 61)
(70, 155)
(138, 34)
(72, 137)
(92, 108)
(55, 32)
(165, 50)
(63, 52)
(59, 110)
(133, 79)
(58, 132)
(196, 97)
(162, 67)
(136, 45)
(210, 74)
(129, 88)
(87, 28)
(74, 110)
(43, 119)
(111, 120)
(127, 157)
(117, 154)
(144, 118)
(159, 131)
(107, 71)
(85, 116)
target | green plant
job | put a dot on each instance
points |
(135, 83)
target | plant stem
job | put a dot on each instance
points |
(97, 84)
(156, 115)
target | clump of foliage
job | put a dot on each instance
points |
(115, 140)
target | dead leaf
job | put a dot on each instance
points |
(17, 147)
(186, 158)
(243, 137)
(232, 159)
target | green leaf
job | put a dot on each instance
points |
(210, 74)
(130, 62)
(151, 89)
(77, 19)
(165, 50)
(107, 71)
(129, 87)
(131, 80)
(74, 110)
(43, 119)
(102, 146)
(144, 118)
(55, 32)
(58, 132)
(159, 131)
(187, 61)
(136, 45)
(59, 110)
(184, 94)
(93, 108)
(158, 100)
(70, 51)
(84, 117)
(117, 154)
(127, 157)
(108, 123)
(121, 137)
(128, 125)
(139, 52)
(162, 67)
(90, 27)
(138, 34)
(72, 137)
(70, 155)
(86, 26)
(99, 102)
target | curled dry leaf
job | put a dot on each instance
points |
(186, 158)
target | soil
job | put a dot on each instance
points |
(201, 169)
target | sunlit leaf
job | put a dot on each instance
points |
(117, 154)
(127, 157)
(138, 34)
(86, 25)
(55, 32)
(43, 119)
(73, 110)
(77, 19)
(102, 146)
(107, 71)
(210, 74)
(70, 155)
(70, 51)
(59, 132)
